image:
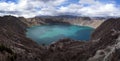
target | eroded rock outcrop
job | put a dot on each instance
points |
(14, 46)
(74, 20)
(104, 46)
(109, 39)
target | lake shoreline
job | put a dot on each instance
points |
(64, 29)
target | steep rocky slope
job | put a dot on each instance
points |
(84, 21)
(14, 46)
(104, 46)
(107, 40)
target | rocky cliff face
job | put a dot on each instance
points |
(104, 46)
(83, 21)
(107, 39)
(14, 46)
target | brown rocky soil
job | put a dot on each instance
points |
(14, 46)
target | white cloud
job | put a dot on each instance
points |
(87, 1)
(100, 10)
(71, 9)
(95, 8)
(31, 8)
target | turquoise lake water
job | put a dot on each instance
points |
(46, 34)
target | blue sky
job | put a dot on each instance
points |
(74, 1)
(31, 8)
(11, 0)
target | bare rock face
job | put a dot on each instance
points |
(106, 28)
(66, 50)
(14, 46)
(74, 20)
(109, 41)
(103, 46)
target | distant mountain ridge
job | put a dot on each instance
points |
(15, 46)
(60, 16)
(68, 19)
(73, 16)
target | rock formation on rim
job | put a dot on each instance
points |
(14, 46)
(104, 44)
(74, 20)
